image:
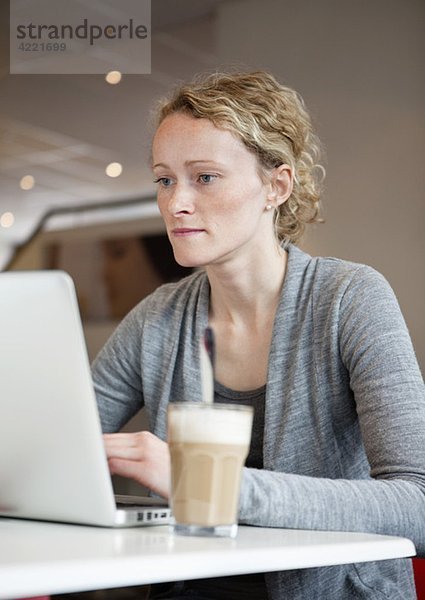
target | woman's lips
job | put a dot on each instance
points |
(186, 231)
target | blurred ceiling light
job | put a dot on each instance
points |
(7, 219)
(113, 77)
(114, 169)
(27, 182)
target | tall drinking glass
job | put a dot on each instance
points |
(208, 444)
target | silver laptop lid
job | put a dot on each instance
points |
(52, 459)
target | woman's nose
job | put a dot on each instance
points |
(181, 201)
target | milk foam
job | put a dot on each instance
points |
(209, 425)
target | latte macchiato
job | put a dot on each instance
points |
(208, 444)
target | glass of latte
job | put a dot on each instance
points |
(208, 444)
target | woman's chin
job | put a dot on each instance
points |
(188, 261)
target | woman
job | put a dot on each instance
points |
(317, 345)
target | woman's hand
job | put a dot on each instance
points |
(140, 456)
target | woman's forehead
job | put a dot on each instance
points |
(179, 122)
(199, 138)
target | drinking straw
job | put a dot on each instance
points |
(210, 345)
(207, 351)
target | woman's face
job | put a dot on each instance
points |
(210, 193)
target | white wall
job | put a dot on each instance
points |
(359, 65)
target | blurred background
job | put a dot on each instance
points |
(359, 64)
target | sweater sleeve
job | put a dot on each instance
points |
(388, 390)
(117, 375)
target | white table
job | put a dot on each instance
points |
(47, 558)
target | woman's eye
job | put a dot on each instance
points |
(206, 178)
(164, 181)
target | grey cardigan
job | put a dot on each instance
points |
(344, 436)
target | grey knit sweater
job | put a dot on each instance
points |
(344, 434)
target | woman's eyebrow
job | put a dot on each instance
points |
(200, 161)
(190, 163)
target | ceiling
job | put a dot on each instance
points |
(64, 130)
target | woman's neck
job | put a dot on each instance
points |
(246, 291)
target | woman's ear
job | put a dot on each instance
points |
(281, 184)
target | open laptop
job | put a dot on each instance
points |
(53, 464)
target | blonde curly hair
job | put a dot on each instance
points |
(271, 120)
